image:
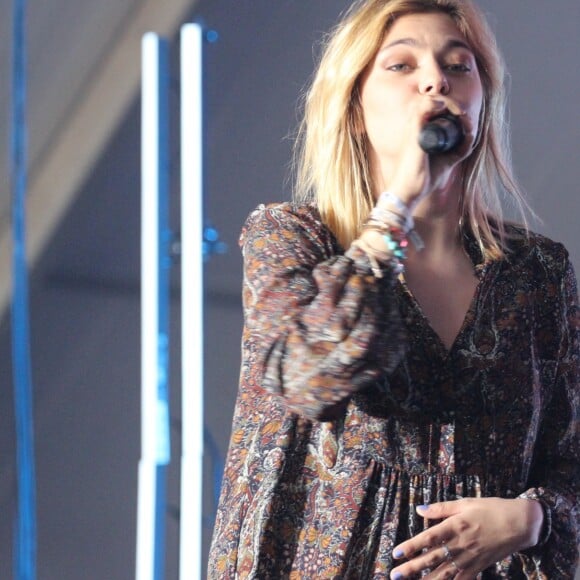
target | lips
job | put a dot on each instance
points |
(440, 114)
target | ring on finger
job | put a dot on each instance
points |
(449, 557)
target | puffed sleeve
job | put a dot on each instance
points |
(556, 470)
(318, 324)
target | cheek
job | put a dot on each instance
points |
(372, 116)
(377, 99)
(371, 104)
(477, 104)
(382, 113)
(475, 110)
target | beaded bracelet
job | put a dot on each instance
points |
(397, 248)
(394, 239)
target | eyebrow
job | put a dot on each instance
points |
(449, 45)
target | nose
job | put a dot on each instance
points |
(434, 81)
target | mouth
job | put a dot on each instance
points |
(440, 114)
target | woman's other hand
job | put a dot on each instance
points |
(473, 535)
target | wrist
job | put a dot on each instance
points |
(392, 211)
(535, 496)
(534, 521)
(409, 200)
(397, 204)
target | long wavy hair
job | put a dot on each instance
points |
(331, 160)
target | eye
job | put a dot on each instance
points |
(399, 67)
(458, 67)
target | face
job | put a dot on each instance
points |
(424, 67)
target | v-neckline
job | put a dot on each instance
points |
(426, 322)
(480, 268)
(481, 265)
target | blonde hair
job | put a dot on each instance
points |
(331, 154)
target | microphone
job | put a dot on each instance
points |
(441, 135)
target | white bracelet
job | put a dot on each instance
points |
(407, 223)
(390, 197)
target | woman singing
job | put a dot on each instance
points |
(408, 403)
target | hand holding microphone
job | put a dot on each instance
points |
(441, 135)
(439, 132)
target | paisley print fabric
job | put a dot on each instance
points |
(351, 411)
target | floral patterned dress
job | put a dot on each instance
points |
(351, 411)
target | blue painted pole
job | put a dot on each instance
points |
(25, 530)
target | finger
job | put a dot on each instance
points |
(468, 575)
(439, 558)
(441, 510)
(449, 568)
(455, 566)
(431, 538)
(442, 572)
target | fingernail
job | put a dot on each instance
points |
(398, 553)
(398, 576)
(423, 507)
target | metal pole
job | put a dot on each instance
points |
(155, 445)
(192, 301)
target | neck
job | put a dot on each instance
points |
(437, 222)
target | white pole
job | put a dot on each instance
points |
(154, 405)
(190, 561)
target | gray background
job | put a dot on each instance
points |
(85, 278)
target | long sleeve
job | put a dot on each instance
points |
(318, 324)
(556, 470)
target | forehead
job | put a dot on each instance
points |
(425, 29)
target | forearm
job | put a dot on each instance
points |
(319, 338)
